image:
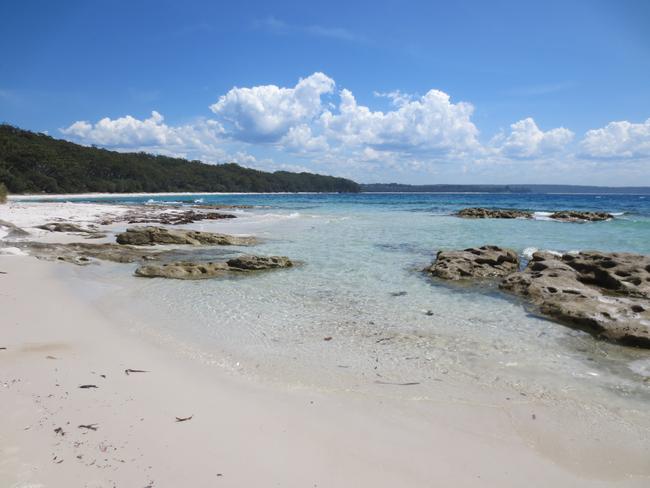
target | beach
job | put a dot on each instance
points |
(98, 392)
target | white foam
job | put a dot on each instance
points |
(542, 215)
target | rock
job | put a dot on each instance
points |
(14, 230)
(575, 216)
(482, 262)
(145, 236)
(192, 270)
(80, 253)
(63, 227)
(493, 213)
(607, 294)
(183, 270)
(177, 218)
(254, 263)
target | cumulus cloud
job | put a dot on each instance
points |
(128, 132)
(311, 124)
(623, 139)
(267, 113)
(430, 123)
(526, 140)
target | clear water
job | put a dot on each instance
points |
(360, 283)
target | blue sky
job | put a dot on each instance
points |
(415, 92)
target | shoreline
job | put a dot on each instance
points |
(60, 333)
(252, 434)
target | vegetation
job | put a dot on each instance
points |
(38, 163)
(3, 193)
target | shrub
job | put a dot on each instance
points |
(3, 193)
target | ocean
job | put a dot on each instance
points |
(358, 314)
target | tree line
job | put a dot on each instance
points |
(37, 163)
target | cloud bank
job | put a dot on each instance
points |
(316, 124)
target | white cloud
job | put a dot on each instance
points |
(267, 113)
(526, 140)
(430, 123)
(129, 132)
(623, 139)
(300, 139)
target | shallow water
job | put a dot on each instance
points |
(359, 282)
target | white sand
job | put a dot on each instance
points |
(246, 434)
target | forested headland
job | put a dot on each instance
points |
(37, 163)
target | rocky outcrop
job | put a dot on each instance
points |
(477, 262)
(64, 227)
(605, 293)
(147, 236)
(82, 253)
(192, 270)
(575, 216)
(170, 215)
(178, 218)
(493, 213)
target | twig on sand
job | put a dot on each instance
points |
(88, 386)
(411, 383)
(88, 426)
(3, 348)
(3, 272)
(129, 371)
(184, 419)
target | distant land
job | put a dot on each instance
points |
(603, 190)
(37, 163)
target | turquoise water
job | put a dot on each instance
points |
(360, 283)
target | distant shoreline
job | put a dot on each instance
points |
(63, 196)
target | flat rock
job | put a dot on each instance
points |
(607, 294)
(476, 262)
(493, 213)
(575, 216)
(83, 253)
(253, 263)
(193, 270)
(63, 227)
(147, 236)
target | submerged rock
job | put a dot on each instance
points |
(191, 270)
(481, 262)
(575, 216)
(146, 236)
(178, 218)
(605, 293)
(253, 263)
(493, 213)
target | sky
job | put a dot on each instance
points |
(419, 92)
